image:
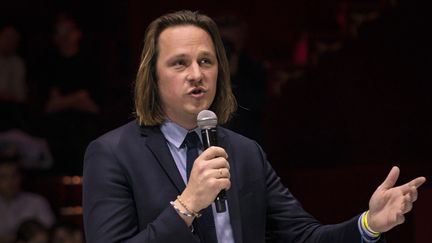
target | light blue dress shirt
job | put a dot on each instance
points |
(175, 135)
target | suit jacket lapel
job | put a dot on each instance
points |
(232, 195)
(155, 141)
(157, 144)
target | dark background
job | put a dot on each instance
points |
(333, 126)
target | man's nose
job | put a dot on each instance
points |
(195, 73)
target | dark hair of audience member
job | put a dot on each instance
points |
(32, 231)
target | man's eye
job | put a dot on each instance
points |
(179, 63)
(205, 61)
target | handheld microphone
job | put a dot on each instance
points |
(207, 122)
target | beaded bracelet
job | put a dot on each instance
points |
(181, 212)
(195, 214)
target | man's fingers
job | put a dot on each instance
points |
(214, 152)
(407, 204)
(391, 179)
(224, 184)
(417, 181)
(222, 173)
(414, 195)
(412, 185)
(400, 219)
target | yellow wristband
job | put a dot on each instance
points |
(366, 224)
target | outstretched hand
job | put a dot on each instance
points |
(388, 204)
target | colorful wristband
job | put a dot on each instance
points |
(366, 236)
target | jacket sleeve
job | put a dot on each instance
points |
(287, 221)
(110, 213)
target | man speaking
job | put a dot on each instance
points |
(152, 180)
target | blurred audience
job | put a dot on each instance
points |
(32, 152)
(16, 206)
(13, 86)
(66, 232)
(248, 79)
(70, 81)
(32, 231)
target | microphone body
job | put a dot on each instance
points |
(207, 121)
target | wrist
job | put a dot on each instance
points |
(190, 201)
(181, 210)
(186, 216)
(366, 234)
(369, 223)
(187, 208)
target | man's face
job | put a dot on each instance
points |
(186, 70)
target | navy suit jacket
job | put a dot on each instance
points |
(130, 177)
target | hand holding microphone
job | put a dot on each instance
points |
(207, 122)
(210, 175)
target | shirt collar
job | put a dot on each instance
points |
(175, 134)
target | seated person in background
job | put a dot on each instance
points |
(17, 206)
(70, 84)
(32, 152)
(71, 76)
(13, 86)
(32, 231)
(248, 79)
(66, 232)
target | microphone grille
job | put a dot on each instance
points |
(206, 119)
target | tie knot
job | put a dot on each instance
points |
(192, 140)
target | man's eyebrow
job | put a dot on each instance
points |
(206, 54)
(182, 55)
(178, 56)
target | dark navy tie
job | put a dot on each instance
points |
(204, 225)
